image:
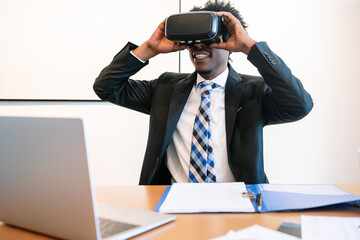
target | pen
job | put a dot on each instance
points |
(259, 201)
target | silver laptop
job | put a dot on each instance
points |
(46, 186)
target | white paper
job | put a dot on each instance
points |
(206, 197)
(325, 228)
(256, 232)
(304, 189)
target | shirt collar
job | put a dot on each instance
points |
(220, 79)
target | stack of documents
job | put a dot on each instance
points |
(236, 197)
(324, 228)
(256, 232)
(204, 197)
(312, 228)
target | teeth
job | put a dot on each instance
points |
(200, 56)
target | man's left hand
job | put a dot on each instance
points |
(239, 40)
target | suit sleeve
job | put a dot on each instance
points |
(284, 98)
(114, 83)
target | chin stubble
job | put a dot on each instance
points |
(204, 72)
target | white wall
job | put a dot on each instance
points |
(54, 49)
(116, 137)
(317, 39)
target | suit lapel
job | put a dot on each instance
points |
(233, 93)
(179, 97)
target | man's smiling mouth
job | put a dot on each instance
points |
(200, 55)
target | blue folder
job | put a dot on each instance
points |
(162, 199)
(287, 201)
(273, 201)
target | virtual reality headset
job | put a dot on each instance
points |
(196, 27)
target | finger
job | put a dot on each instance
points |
(225, 14)
(214, 45)
(222, 13)
(162, 25)
(178, 47)
(181, 47)
(221, 45)
(229, 19)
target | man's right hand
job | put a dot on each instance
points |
(158, 43)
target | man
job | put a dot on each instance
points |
(241, 105)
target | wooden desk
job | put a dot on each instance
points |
(191, 226)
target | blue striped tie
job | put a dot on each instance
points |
(202, 167)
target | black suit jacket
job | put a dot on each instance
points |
(251, 102)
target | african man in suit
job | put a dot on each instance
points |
(241, 105)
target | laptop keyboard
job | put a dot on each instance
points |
(110, 227)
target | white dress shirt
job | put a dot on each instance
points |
(178, 152)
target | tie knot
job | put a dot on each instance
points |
(206, 87)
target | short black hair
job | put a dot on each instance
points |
(221, 6)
